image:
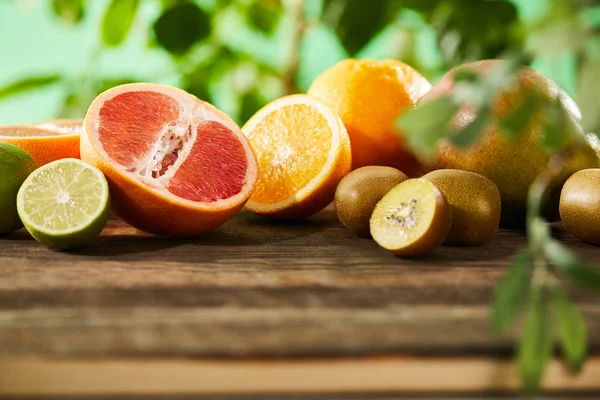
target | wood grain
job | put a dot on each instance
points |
(257, 290)
(31, 377)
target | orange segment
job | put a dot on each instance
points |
(45, 141)
(303, 151)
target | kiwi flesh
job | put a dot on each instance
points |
(359, 192)
(412, 219)
(580, 204)
(475, 202)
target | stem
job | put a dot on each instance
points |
(538, 192)
(289, 76)
(537, 231)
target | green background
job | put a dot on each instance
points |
(33, 41)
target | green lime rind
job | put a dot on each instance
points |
(39, 198)
(15, 166)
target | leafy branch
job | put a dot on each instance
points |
(532, 286)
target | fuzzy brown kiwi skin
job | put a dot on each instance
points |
(436, 234)
(359, 192)
(580, 205)
(475, 202)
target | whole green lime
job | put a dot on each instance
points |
(15, 166)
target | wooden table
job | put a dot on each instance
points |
(261, 308)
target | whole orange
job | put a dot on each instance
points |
(369, 95)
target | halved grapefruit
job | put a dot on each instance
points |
(175, 165)
(45, 141)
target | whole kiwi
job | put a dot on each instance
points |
(475, 204)
(359, 192)
(579, 205)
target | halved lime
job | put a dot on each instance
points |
(64, 204)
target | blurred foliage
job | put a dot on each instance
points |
(240, 54)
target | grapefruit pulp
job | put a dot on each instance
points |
(45, 141)
(175, 165)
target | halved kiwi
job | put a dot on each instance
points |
(412, 219)
(359, 192)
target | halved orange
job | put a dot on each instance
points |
(303, 152)
(45, 141)
(175, 165)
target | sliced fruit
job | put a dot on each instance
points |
(359, 192)
(46, 141)
(303, 151)
(413, 219)
(369, 95)
(579, 205)
(475, 204)
(15, 166)
(64, 204)
(175, 165)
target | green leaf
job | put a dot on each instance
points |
(355, 22)
(181, 26)
(264, 15)
(465, 75)
(511, 292)
(589, 100)
(514, 124)
(250, 103)
(117, 21)
(28, 84)
(574, 268)
(470, 133)
(571, 329)
(425, 125)
(535, 345)
(70, 11)
(555, 133)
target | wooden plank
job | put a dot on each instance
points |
(173, 377)
(255, 288)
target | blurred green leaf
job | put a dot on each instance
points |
(196, 82)
(28, 84)
(514, 124)
(117, 21)
(250, 103)
(425, 125)
(181, 26)
(480, 30)
(70, 11)
(470, 133)
(588, 95)
(535, 345)
(570, 265)
(106, 84)
(356, 22)
(555, 134)
(264, 15)
(571, 329)
(511, 293)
